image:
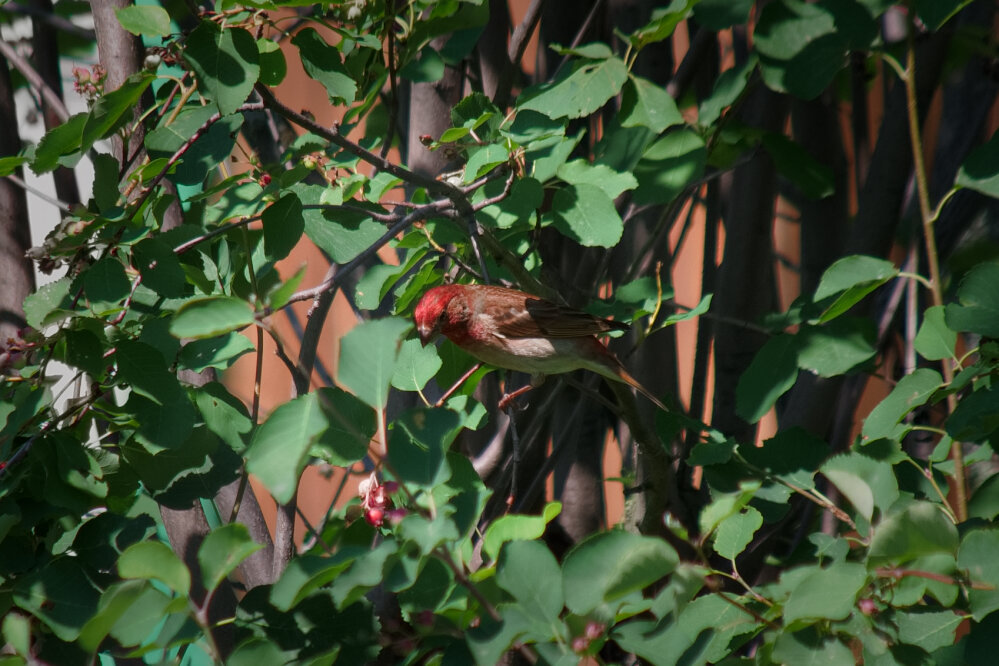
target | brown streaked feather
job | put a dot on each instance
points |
(541, 318)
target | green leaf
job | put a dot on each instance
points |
(976, 416)
(106, 282)
(935, 341)
(218, 352)
(934, 13)
(277, 453)
(154, 560)
(352, 424)
(342, 234)
(848, 280)
(210, 149)
(920, 529)
(484, 160)
(159, 267)
(416, 366)
(427, 533)
(226, 63)
(792, 455)
(928, 629)
(528, 571)
(771, 373)
(735, 532)
(283, 226)
(867, 483)
(978, 311)
(11, 164)
(910, 392)
(826, 594)
(610, 565)
(323, 63)
(812, 177)
(273, 67)
(148, 20)
(145, 369)
(211, 316)
(589, 86)
(668, 166)
(644, 104)
(837, 347)
(525, 198)
(418, 442)
(48, 303)
(59, 141)
(587, 216)
(222, 551)
(305, 574)
(368, 356)
(811, 647)
(728, 87)
(980, 171)
(662, 24)
(224, 414)
(426, 67)
(582, 173)
(977, 556)
(513, 527)
(59, 594)
(114, 109)
(722, 14)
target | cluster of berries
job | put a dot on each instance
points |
(377, 503)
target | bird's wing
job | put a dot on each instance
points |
(541, 318)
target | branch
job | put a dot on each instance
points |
(54, 20)
(333, 135)
(35, 79)
(518, 44)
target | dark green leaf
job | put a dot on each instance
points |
(273, 67)
(283, 226)
(526, 196)
(416, 366)
(106, 282)
(772, 372)
(980, 171)
(976, 416)
(722, 14)
(978, 311)
(928, 629)
(811, 647)
(426, 67)
(582, 173)
(204, 154)
(59, 594)
(304, 575)
(114, 109)
(793, 455)
(934, 13)
(812, 177)
(226, 63)
(159, 267)
(351, 425)
(219, 352)
(418, 442)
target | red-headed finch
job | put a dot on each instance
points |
(511, 329)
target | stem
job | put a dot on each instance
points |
(927, 213)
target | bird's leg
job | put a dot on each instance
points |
(536, 381)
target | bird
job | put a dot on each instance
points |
(514, 330)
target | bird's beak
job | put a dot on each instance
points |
(426, 334)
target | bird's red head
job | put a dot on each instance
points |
(431, 310)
